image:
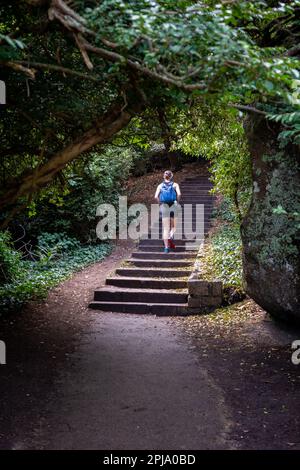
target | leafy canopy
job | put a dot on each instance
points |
(67, 64)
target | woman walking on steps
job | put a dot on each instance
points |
(168, 195)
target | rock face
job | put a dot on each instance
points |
(272, 240)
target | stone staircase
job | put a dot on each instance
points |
(151, 281)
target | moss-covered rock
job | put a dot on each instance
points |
(270, 230)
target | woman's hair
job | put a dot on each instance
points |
(168, 174)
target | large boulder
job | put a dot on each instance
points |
(272, 240)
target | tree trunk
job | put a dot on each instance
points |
(270, 240)
(105, 128)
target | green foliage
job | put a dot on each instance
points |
(214, 43)
(225, 211)
(227, 255)
(57, 257)
(226, 52)
(10, 260)
(291, 123)
(9, 47)
(218, 135)
(279, 211)
(222, 258)
(71, 206)
(194, 59)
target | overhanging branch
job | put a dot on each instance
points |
(104, 128)
(20, 66)
(248, 109)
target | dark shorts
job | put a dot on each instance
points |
(164, 210)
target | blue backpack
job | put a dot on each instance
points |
(167, 193)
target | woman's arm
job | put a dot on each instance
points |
(177, 189)
(157, 193)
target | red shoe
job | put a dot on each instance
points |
(171, 244)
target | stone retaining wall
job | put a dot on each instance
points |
(205, 295)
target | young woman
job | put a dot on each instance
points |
(167, 195)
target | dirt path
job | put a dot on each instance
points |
(80, 379)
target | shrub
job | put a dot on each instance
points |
(57, 258)
(227, 255)
(11, 267)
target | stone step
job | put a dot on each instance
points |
(197, 195)
(196, 199)
(186, 230)
(193, 187)
(196, 184)
(158, 247)
(192, 199)
(184, 234)
(158, 241)
(189, 248)
(205, 193)
(188, 215)
(198, 178)
(152, 272)
(156, 228)
(191, 238)
(187, 220)
(160, 263)
(187, 235)
(154, 282)
(161, 255)
(193, 209)
(197, 187)
(190, 206)
(146, 282)
(207, 223)
(190, 209)
(122, 294)
(159, 309)
(193, 202)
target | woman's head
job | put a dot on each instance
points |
(168, 175)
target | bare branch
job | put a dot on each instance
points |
(103, 129)
(19, 67)
(235, 63)
(115, 57)
(57, 68)
(61, 5)
(88, 63)
(72, 21)
(249, 109)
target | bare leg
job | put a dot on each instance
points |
(166, 230)
(172, 227)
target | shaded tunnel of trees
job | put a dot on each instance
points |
(92, 86)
